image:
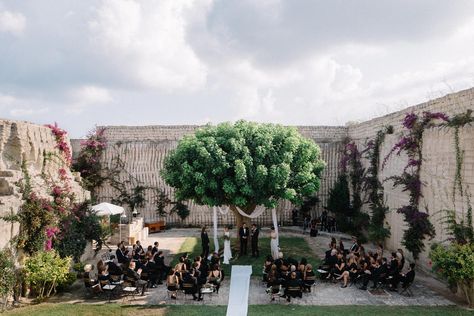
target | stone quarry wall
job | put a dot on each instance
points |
(143, 148)
(31, 145)
(438, 168)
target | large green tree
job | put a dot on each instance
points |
(244, 164)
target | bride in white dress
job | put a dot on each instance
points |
(227, 251)
(274, 244)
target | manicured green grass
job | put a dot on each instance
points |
(295, 247)
(199, 310)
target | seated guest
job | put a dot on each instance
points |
(302, 265)
(351, 271)
(139, 247)
(113, 267)
(267, 267)
(121, 257)
(104, 276)
(355, 245)
(190, 285)
(308, 278)
(152, 272)
(273, 277)
(134, 277)
(172, 283)
(401, 259)
(162, 268)
(367, 273)
(215, 277)
(405, 278)
(293, 287)
(89, 281)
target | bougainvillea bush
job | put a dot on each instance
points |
(88, 162)
(411, 143)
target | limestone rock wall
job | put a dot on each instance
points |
(34, 146)
(438, 168)
(143, 149)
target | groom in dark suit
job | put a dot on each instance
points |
(244, 236)
(254, 240)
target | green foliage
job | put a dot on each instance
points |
(374, 188)
(348, 219)
(33, 220)
(339, 197)
(462, 231)
(79, 227)
(456, 264)
(7, 275)
(308, 204)
(244, 164)
(161, 202)
(180, 209)
(45, 270)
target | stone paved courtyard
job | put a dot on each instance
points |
(323, 293)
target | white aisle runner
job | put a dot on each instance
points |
(239, 291)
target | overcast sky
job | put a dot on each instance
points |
(139, 62)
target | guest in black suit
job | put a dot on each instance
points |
(244, 235)
(254, 232)
(204, 242)
(122, 259)
(155, 248)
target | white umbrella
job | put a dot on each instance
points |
(107, 209)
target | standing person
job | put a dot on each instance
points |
(204, 242)
(294, 216)
(306, 221)
(274, 244)
(254, 240)
(324, 220)
(227, 250)
(243, 235)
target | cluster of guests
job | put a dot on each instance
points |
(137, 267)
(323, 222)
(289, 275)
(192, 276)
(355, 264)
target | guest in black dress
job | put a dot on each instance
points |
(204, 242)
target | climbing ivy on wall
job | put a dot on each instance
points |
(457, 122)
(377, 232)
(411, 143)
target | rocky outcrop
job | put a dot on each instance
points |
(28, 147)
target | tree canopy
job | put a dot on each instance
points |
(244, 164)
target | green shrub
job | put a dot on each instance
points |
(45, 271)
(7, 275)
(455, 263)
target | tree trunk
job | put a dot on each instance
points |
(468, 288)
(240, 220)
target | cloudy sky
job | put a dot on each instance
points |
(138, 62)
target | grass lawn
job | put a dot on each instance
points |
(199, 310)
(295, 247)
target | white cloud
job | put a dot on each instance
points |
(88, 96)
(12, 22)
(28, 111)
(147, 41)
